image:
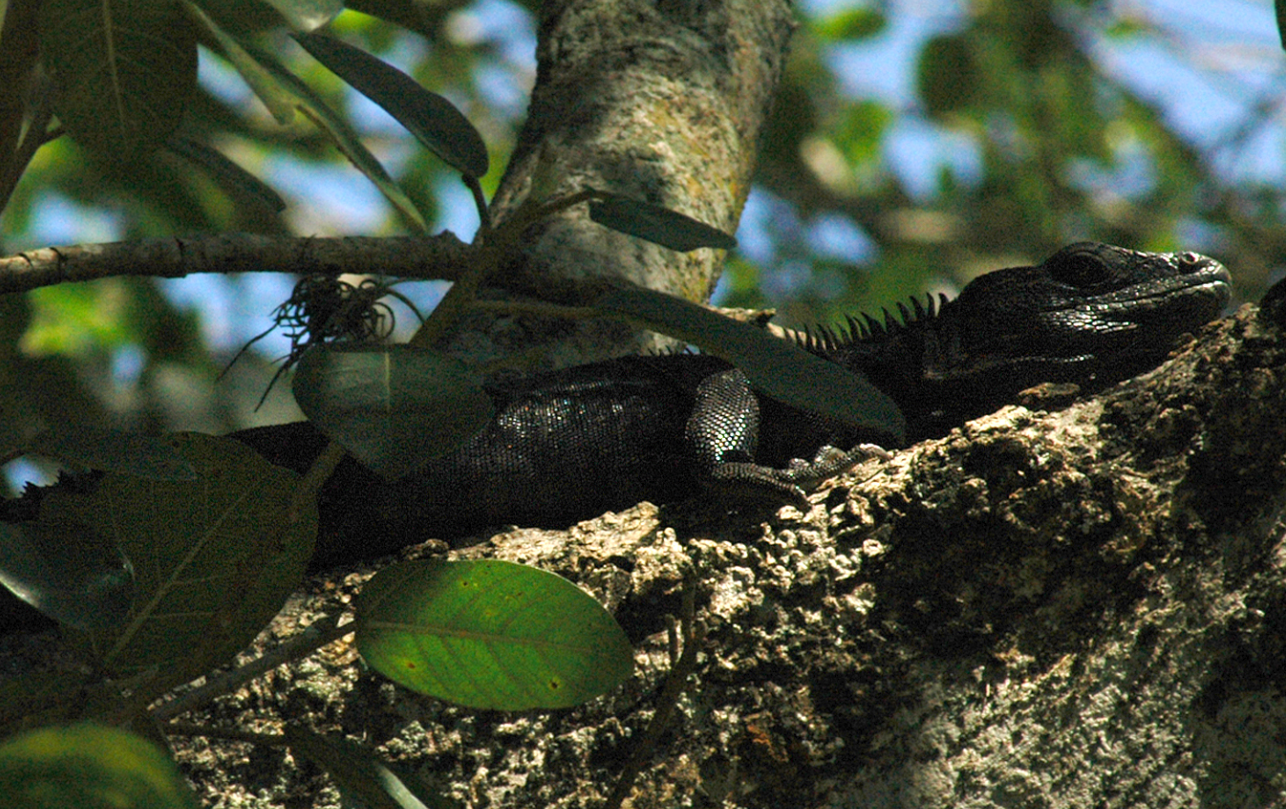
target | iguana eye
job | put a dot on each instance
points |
(1079, 269)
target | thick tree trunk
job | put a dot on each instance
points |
(1082, 608)
(662, 102)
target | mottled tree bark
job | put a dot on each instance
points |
(661, 101)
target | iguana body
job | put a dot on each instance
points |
(571, 444)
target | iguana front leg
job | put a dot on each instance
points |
(722, 434)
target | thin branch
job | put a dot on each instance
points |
(438, 257)
(322, 633)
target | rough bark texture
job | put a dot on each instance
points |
(1083, 608)
(663, 102)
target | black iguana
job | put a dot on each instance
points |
(572, 444)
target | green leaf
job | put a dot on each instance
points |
(231, 177)
(214, 558)
(775, 367)
(656, 224)
(68, 571)
(432, 119)
(243, 17)
(852, 24)
(89, 447)
(490, 634)
(89, 767)
(949, 77)
(358, 772)
(123, 71)
(393, 407)
(344, 138)
(1280, 6)
(307, 15)
(262, 80)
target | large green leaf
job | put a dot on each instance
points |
(214, 558)
(656, 224)
(775, 367)
(69, 571)
(393, 407)
(490, 634)
(432, 119)
(89, 767)
(123, 71)
(358, 772)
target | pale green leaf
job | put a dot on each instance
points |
(89, 767)
(490, 634)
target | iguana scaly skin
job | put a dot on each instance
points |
(572, 444)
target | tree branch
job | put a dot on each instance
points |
(436, 257)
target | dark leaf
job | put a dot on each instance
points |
(123, 71)
(426, 115)
(776, 367)
(1280, 6)
(234, 179)
(359, 772)
(214, 558)
(88, 447)
(656, 224)
(394, 407)
(67, 570)
(490, 634)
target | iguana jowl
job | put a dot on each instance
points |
(571, 444)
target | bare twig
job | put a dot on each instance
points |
(421, 257)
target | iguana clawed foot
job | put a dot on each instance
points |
(793, 483)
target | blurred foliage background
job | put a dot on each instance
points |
(914, 144)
